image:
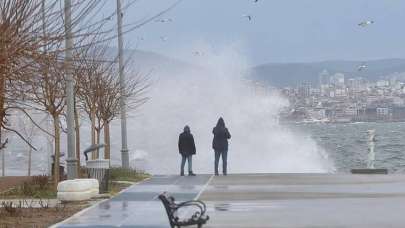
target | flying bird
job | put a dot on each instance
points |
(164, 38)
(362, 67)
(198, 53)
(164, 20)
(255, 1)
(247, 16)
(365, 23)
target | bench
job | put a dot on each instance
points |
(198, 218)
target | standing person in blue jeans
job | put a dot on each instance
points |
(220, 145)
(187, 150)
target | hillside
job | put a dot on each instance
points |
(291, 74)
(150, 62)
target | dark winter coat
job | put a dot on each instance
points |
(186, 144)
(221, 136)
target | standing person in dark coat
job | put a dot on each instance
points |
(187, 150)
(220, 145)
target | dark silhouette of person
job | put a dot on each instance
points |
(220, 145)
(187, 150)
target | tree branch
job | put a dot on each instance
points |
(32, 120)
(22, 137)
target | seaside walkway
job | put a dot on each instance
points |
(259, 200)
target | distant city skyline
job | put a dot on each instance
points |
(280, 31)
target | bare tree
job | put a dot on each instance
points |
(47, 85)
(31, 60)
(29, 131)
(99, 91)
(108, 100)
(18, 45)
(48, 91)
(89, 70)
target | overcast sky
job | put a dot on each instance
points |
(280, 30)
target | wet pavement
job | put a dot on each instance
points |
(260, 200)
(138, 206)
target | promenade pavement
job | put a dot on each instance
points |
(259, 200)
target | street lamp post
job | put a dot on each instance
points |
(71, 159)
(124, 147)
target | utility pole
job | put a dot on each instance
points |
(124, 147)
(71, 161)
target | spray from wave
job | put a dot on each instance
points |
(198, 97)
(216, 85)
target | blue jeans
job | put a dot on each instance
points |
(224, 155)
(183, 163)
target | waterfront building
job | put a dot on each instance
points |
(337, 80)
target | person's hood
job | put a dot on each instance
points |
(220, 123)
(187, 129)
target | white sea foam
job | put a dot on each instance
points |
(198, 98)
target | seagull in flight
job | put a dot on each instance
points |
(247, 16)
(164, 38)
(164, 20)
(362, 67)
(198, 53)
(365, 23)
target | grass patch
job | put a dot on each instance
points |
(38, 187)
(38, 217)
(122, 174)
(116, 175)
(115, 188)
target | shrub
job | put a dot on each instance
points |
(36, 187)
(41, 181)
(122, 174)
(27, 189)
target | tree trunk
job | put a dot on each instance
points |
(57, 151)
(93, 131)
(49, 155)
(96, 153)
(107, 154)
(77, 129)
(3, 163)
(29, 161)
(2, 111)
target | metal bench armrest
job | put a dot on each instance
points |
(198, 217)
